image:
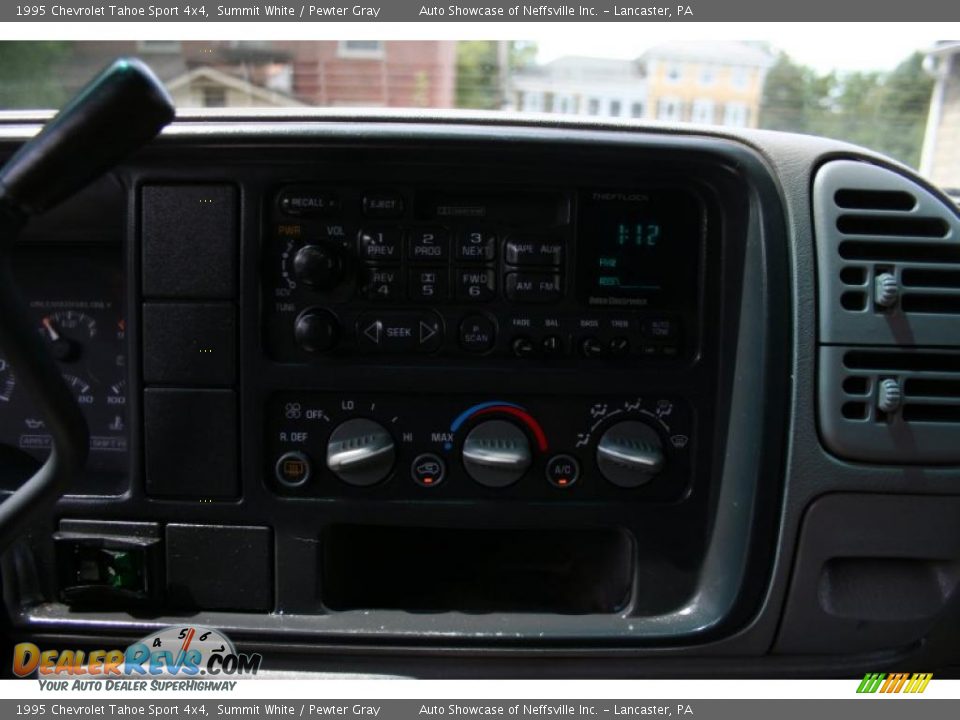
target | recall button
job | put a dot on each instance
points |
(533, 251)
(308, 202)
(534, 287)
(397, 332)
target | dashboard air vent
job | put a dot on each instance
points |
(889, 258)
(891, 404)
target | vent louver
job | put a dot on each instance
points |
(889, 316)
(891, 405)
(889, 258)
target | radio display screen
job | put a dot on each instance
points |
(639, 248)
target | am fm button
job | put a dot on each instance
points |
(534, 287)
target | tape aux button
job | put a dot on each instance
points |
(533, 251)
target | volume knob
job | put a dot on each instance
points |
(630, 454)
(361, 452)
(319, 266)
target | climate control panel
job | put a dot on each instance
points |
(429, 447)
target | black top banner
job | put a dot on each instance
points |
(486, 11)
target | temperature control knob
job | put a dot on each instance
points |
(496, 453)
(630, 454)
(319, 266)
(361, 452)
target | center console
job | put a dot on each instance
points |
(421, 385)
(540, 281)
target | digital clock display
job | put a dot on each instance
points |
(639, 248)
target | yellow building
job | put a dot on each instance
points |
(713, 83)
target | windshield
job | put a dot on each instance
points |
(898, 97)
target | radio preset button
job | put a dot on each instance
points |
(383, 205)
(533, 251)
(533, 287)
(379, 245)
(384, 284)
(477, 245)
(428, 284)
(428, 245)
(476, 285)
(478, 333)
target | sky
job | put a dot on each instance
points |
(825, 47)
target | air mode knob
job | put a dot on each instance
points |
(496, 453)
(630, 454)
(361, 452)
(319, 266)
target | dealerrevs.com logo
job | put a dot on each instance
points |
(891, 683)
(184, 652)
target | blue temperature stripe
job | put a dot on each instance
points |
(462, 417)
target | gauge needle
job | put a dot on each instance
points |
(51, 331)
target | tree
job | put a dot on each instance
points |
(884, 112)
(28, 76)
(480, 82)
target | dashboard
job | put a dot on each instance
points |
(386, 390)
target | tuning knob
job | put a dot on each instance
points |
(630, 454)
(316, 330)
(496, 453)
(361, 452)
(319, 266)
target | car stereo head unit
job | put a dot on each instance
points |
(549, 275)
